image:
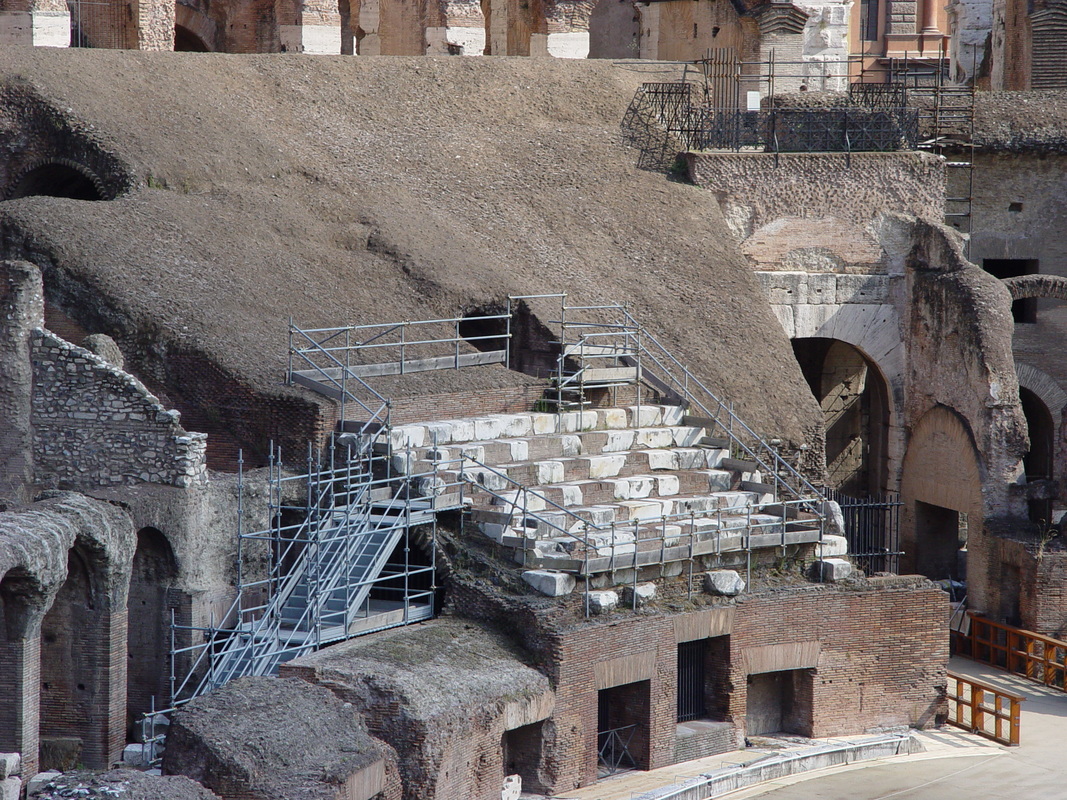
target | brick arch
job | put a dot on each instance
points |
(1027, 286)
(1044, 386)
(942, 468)
(44, 163)
(198, 24)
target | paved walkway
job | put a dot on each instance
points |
(955, 765)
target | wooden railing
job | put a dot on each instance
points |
(1031, 655)
(983, 709)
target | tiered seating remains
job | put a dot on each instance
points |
(598, 490)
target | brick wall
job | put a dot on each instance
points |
(20, 679)
(95, 425)
(880, 656)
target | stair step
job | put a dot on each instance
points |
(739, 465)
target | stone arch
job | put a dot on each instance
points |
(152, 598)
(1026, 286)
(59, 177)
(198, 26)
(874, 330)
(854, 397)
(941, 488)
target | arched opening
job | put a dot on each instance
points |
(1038, 462)
(56, 179)
(151, 600)
(534, 348)
(854, 397)
(20, 603)
(73, 668)
(188, 42)
(941, 489)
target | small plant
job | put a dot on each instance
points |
(1046, 533)
(155, 183)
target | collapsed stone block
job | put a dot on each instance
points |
(723, 582)
(549, 582)
(40, 780)
(603, 602)
(512, 788)
(831, 546)
(835, 520)
(10, 764)
(10, 788)
(832, 570)
(640, 595)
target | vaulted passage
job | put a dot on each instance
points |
(1039, 461)
(855, 403)
(56, 180)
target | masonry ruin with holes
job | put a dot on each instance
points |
(540, 488)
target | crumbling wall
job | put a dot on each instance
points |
(443, 695)
(21, 310)
(95, 425)
(265, 738)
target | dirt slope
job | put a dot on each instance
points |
(376, 189)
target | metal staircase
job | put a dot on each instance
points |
(330, 575)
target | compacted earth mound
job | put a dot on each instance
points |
(250, 189)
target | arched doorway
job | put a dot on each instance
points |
(941, 490)
(151, 601)
(188, 42)
(854, 397)
(1038, 463)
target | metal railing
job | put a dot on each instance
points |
(342, 357)
(588, 538)
(613, 749)
(804, 130)
(872, 527)
(984, 710)
(336, 555)
(1039, 658)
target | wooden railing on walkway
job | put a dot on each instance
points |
(1039, 658)
(983, 709)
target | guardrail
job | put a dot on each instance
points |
(1039, 658)
(984, 710)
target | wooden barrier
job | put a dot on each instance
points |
(983, 709)
(1031, 655)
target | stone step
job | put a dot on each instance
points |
(561, 500)
(511, 426)
(558, 460)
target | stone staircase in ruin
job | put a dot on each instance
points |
(592, 491)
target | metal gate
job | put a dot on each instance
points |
(691, 658)
(872, 527)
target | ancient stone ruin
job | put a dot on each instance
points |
(433, 428)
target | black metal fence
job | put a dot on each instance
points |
(691, 697)
(872, 527)
(846, 129)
